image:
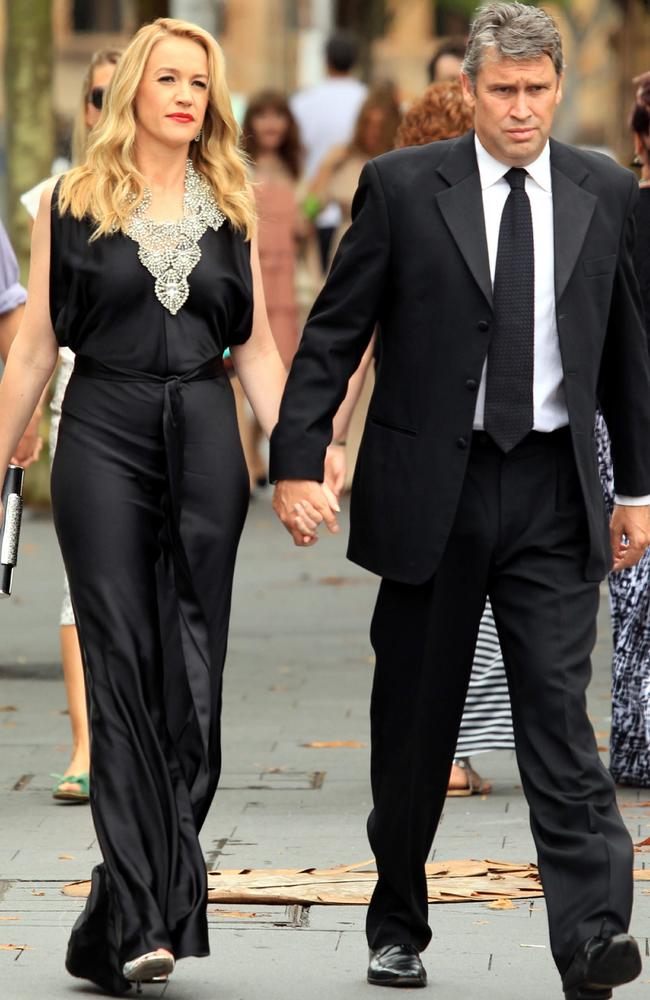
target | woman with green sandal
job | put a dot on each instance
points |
(73, 784)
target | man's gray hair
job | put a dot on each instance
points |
(513, 31)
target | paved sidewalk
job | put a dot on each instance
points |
(299, 670)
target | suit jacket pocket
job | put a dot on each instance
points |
(388, 425)
(600, 265)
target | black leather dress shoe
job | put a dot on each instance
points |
(396, 965)
(599, 965)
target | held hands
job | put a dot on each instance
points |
(303, 506)
(634, 524)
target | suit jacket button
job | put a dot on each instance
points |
(483, 325)
(462, 443)
(471, 384)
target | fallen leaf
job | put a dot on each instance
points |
(9, 918)
(532, 945)
(602, 749)
(66, 857)
(502, 904)
(480, 923)
(335, 744)
(643, 843)
(15, 947)
(634, 805)
(35, 892)
(8, 708)
(231, 913)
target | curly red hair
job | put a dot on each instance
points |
(440, 113)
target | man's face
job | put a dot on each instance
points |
(447, 68)
(514, 102)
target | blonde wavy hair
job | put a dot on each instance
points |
(80, 131)
(107, 187)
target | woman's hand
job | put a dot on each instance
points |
(335, 468)
(30, 445)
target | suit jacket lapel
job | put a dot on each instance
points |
(573, 208)
(461, 206)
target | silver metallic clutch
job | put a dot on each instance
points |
(12, 503)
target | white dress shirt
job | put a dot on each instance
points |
(549, 405)
(549, 402)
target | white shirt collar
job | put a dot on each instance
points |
(492, 170)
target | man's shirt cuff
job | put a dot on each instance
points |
(631, 501)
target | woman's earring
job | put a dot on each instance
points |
(197, 138)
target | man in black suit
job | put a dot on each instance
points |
(497, 267)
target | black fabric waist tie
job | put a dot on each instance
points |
(193, 625)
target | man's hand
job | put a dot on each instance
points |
(30, 444)
(633, 523)
(302, 506)
(335, 468)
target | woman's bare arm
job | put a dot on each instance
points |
(257, 362)
(33, 353)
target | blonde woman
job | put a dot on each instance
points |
(72, 785)
(150, 272)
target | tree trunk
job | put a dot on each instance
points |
(30, 122)
(149, 10)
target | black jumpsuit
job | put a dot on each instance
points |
(150, 493)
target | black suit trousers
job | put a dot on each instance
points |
(520, 536)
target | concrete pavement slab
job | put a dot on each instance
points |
(299, 670)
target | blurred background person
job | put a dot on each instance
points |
(447, 61)
(338, 176)
(629, 589)
(271, 140)
(73, 784)
(336, 182)
(326, 115)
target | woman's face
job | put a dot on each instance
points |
(270, 129)
(102, 76)
(373, 130)
(172, 97)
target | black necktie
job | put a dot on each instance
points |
(509, 385)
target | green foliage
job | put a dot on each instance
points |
(468, 7)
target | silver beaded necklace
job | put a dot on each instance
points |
(170, 250)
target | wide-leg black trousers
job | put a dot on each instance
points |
(520, 536)
(150, 495)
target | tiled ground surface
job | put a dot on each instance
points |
(299, 670)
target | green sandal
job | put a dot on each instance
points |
(82, 780)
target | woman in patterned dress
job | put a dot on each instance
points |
(629, 589)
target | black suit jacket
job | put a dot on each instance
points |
(415, 262)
